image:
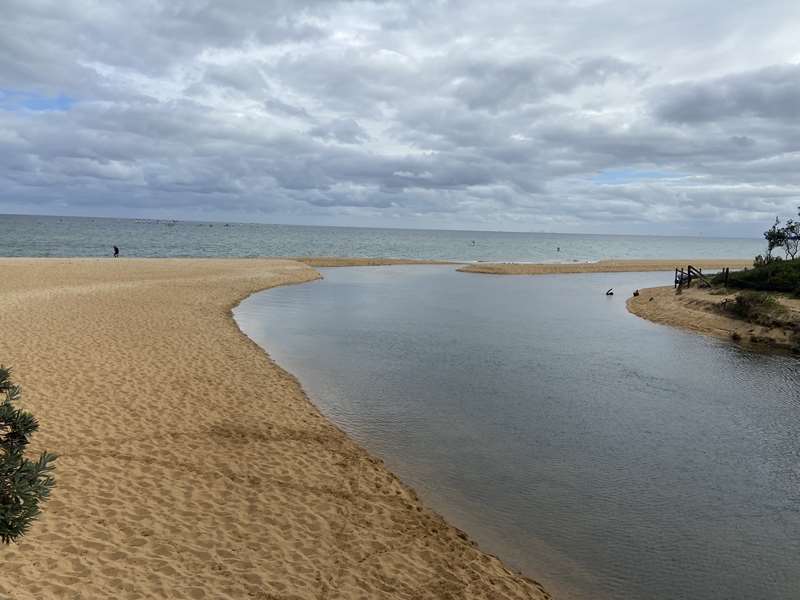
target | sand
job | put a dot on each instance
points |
(603, 266)
(334, 261)
(695, 309)
(191, 466)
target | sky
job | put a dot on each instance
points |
(584, 116)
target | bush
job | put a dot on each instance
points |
(23, 483)
(749, 305)
(775, 276)
(761, 261)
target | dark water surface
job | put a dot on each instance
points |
(604, 455)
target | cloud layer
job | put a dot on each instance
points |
(587, 116)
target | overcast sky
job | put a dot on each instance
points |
(577, 116)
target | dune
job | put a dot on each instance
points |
(192, 466)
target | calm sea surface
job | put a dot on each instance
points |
(69, 236)
(602, 454)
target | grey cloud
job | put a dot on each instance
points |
(273, 105)
(346, 131)
(494, 83)
(770, 93)
(247, 78)
(389, 113)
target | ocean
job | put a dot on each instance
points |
(77, 236)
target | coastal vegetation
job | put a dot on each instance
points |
(761, 295)
(772, 273)
(775, 276)
(24, 483)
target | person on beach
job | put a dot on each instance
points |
(116, 252)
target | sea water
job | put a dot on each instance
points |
(72, 236)
(604, 455)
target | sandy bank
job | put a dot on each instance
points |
(191, 466)
(603, 266)
(333, 261)
(697, 309)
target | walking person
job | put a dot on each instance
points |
(116, 252)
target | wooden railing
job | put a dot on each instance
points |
(684, 278)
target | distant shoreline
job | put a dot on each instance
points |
(605, 266)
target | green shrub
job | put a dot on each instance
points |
(776, 276)
(750, 304)
(757, 307)
(23, 483)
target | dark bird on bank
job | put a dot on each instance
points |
(635, 292)
(610, 292)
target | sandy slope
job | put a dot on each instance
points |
(603, 266)
(695, 309)
(191, 466)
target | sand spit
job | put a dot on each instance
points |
(603, 266)
(191, 466)
(333, 261)
(696, 309)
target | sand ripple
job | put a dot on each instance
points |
(191, 466)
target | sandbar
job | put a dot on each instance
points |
(191, 465)
(336, 261)
(603, 266)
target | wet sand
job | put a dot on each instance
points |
(191, 465)
(603, 266)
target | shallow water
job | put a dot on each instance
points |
(72, 236)
(604, 455)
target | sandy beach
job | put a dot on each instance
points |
(334, 261)
(696, 309)
(191, 465)
(602, 266)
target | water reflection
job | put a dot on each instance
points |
(606, 456)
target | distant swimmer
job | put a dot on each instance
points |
(116, 252)
(610, 292)
(473, 242)
(558, 249)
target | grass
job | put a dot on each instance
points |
(756, 307)
(781, 276)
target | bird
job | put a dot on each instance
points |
(610, 292)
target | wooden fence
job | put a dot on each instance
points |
(685, 277)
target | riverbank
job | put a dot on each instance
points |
(192, 466)
(698, 310)
(603, 266)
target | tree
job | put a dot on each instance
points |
(792, 242)
(786, 237)
(24, 483)
(776, 237)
